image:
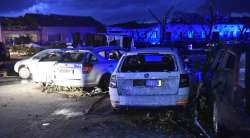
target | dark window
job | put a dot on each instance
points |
(73, 57)
(230, 63)
(93, 58)
(218, 59)
(148, 63)
(113, 55)
(242, 70)
(52, 57)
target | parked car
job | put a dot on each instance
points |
(149, 78)
(87, 67)
(4, 53)
(227, 91)
(38, 65)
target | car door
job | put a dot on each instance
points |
(44, 68)
(226, 87)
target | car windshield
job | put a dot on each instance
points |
(148, 63)
(74, 57)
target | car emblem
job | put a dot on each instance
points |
(146, 75)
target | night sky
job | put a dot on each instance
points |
(115, 11)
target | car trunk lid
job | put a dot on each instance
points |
(156, 83)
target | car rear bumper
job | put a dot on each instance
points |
(147, 101)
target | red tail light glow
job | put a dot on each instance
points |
(87, 68)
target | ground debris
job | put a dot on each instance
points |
(72, 92)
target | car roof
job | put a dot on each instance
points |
(100, 48)
(153, 50)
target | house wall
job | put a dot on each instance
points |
(186, 31)
(63, 34)
(9, 35)
(1, 40)
(181, 32)
(149, 34)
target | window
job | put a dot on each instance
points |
(73, 57)
(114, 55)
(230, 63)
(148, 63)
(218, 59)
(52, 57)
(93, 58)
(102, 54)
(41, 54)
(242, 70)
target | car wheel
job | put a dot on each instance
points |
(24, 73)
(104, 82)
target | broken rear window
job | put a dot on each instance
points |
(148, 63)
(73, 57)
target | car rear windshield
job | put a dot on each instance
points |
(73, 57)
(148, 63)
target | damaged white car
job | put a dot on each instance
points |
(37, 66)
(149, 78)
(87, 68)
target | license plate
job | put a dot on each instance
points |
(65, 70)
(154, 83)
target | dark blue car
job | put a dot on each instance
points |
(227, 92)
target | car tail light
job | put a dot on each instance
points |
(184, 81)
(87, 68)
(113, 82)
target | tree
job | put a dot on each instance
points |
(209, 21)
(163, 22)
(244, 28)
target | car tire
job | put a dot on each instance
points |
(24, 73)
(104, 82)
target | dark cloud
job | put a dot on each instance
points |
(227, 7)
(111, 11)
(15, 5)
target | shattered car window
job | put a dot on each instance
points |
(73, 57)
(148, 63)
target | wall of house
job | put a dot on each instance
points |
(149, 34)
(1, 40)
(181, 32)
(63, 34)
(9, 35)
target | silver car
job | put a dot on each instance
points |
(149, 78)
(87, 68)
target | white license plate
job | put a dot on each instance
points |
(154, 83)
(65, 70)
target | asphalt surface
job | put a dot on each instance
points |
(27, 112)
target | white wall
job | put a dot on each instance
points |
(65, 32)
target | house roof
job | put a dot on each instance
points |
(134, 25)
(35, 20)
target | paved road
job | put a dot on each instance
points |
(26, 112)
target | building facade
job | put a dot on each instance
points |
(181, 32)
(45, 29)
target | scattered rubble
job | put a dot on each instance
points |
(72, 91)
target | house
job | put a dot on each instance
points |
(48, 28)
(140, 32)
(180, 30)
